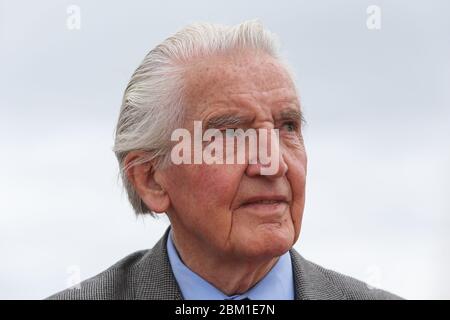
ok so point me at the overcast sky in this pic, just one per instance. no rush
(377, 103)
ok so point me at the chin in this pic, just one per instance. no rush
(269, 244)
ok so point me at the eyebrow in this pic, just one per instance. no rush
(229, 120)
(226, 120)
(292, 115)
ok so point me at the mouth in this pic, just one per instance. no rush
(265, 201)
(262, 202)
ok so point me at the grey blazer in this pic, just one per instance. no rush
(147, 274)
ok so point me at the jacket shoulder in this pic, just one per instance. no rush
(351, 288)
(114, 283)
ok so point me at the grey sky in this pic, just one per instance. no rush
(377, 103)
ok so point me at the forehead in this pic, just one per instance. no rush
(243, 80)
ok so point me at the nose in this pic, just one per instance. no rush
(269, 159)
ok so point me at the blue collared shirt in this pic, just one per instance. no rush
(277, 284)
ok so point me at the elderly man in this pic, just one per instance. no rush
(232, 226)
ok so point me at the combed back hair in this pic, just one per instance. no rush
(152, 105)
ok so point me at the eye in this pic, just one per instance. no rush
(232, 132)
(290, 126)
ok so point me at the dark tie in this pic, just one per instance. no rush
(234, 299)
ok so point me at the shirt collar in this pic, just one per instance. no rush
(277, 284)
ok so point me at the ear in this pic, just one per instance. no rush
(142, 177)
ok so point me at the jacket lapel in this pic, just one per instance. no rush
(310, 283)
(154, 279)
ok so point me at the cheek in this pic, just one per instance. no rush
(205, 186)
(202, 196)
(219, 183)
(296, 175)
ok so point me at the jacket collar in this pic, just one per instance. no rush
(154, 276)
(154, 280)
(310, 283)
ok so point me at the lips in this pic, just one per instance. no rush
(265, 200)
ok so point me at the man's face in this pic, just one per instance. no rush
(219, 205)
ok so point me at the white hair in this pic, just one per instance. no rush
(152, 105)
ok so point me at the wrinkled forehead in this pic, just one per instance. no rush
(222, 79)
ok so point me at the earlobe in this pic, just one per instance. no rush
(158, 201)
(161, 199)
(142, 177)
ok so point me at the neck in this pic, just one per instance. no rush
(230, 275)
